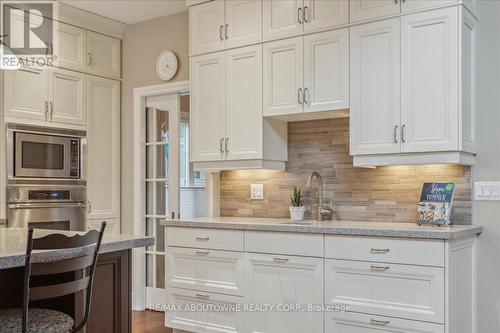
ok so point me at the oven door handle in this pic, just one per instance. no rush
(53, 205)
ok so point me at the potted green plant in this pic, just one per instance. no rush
(297, 208)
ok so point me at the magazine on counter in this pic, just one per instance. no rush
(435, 203)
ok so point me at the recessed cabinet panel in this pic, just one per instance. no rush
(361, 10)
(411, 5)
(71, 48)
(282, 18)
(244, 103)
(67, 100)
(429, 90)
(322, 14)
(283, 76)
(103, 55)
(208, 106)
(206, 27)
(326, 71)
(244, 22)
(375, 88)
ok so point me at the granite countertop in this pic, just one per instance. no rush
(351, 228)
(13, 246)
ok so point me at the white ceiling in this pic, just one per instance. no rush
(130, 11)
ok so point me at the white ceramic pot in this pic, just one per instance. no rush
(297, 213)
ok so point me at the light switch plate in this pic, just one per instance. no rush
(487, 191)
(257, 191)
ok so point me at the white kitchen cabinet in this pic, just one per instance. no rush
(280, 280)
(207, 27)
(208, 105)
(324, 14)
(112, 226)
(243, 22)
(71, 47)
(283, 76)
(26, 94)
(350, 322)
(282, 18)
(430, 81)
(67, 98)
(375, 88)
(103, 165)
(104, 55)
(326, 71)
(244, 103)
(412, 5)
(361, 10)
(204, 321)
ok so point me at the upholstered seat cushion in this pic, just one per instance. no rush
(39, 321)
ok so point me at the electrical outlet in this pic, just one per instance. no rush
(257, 191)
(487, 191)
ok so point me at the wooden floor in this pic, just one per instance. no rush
(149, 322)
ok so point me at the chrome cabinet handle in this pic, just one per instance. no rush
(221, 36)
(89, 207)
(299, 95)
(396, 2)
(396, 134)
(46, 110)
(403, 138)
(306, 94)
(51, 110)
(221, 143)
(379, 251)
(281, 260)
(226, 143)
(299, 15)
(89, 54)
(226, 33)
(203, 296)
(306, 14)
(379, 322)
(203, 238)
(204, 253)
(376, 268)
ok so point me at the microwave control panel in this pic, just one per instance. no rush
(75, 158)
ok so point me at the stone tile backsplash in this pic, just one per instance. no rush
(384, 194)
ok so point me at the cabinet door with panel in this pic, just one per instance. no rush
(103, 167)
(27, 94)
(103, 55)
(429, 81)
(279, 280)
(244, 103)
(411, 5)
(324, 14)
(375, 88)
(283, 76)
(67, 97)
(71, 47)
(206, 27)
(243, 22)
(326, 71)
(282, 18)
(208, 91)
(361, 10)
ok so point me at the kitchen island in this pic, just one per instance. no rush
(111, 301)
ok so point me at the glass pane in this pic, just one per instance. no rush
(149, 270)
(149, 198)
(162, 123)
(150, 134)
(160, 236)
(149, 162)
(161, 198)
(162, 161)
(37, 155)
(160, 271)
(150, 231)
(193, 202)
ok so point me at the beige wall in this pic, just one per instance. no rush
(142, 43)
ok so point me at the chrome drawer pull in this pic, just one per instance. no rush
(379, 251)
(204, 253)
(379, 322)
(204, 296)
(376, 268)
(281, 260)
(202, 238)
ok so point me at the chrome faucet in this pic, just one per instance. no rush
(322, 212)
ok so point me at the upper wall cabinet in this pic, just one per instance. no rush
(104, 55)
(71, 48)
(217, 25)
(286, 18)
(67, 97)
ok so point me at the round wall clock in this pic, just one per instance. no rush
(166, 65)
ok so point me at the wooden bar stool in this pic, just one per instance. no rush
(35, 320)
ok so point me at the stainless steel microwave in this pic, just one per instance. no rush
(39, 154)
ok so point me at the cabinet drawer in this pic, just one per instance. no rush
(403, 291)
(284, 243)
(203, 321)
(205, 270)
(205, 238)
(403, 251)
(348, 322)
